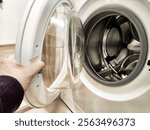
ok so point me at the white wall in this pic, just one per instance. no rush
(10, 16)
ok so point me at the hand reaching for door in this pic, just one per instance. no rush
(23, 73)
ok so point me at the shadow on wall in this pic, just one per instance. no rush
(11, 12)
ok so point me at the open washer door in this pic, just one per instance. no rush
(51, 31)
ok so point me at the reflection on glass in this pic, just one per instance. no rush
(53, 46)
(63, 46)
(76, 46)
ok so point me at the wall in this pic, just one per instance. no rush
(10, 16)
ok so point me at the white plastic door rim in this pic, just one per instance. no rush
(44, 34)
(117, 37)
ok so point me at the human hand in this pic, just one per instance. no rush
(23, 73)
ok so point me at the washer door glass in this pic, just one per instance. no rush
(63, 46)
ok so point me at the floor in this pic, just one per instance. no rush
(57, 106)
(7, 50)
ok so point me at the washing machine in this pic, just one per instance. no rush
(96, 59)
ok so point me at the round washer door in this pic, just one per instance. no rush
(117, 48)
(52, 32)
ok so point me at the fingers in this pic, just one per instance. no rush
(36, 66)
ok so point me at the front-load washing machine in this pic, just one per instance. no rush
(96, 59)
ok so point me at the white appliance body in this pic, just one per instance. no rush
(115, 70)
